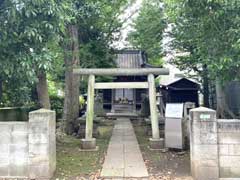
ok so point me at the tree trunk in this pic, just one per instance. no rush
(42, 90)
(71, 60)
(205, 87)
(1, 89)
(223, 110)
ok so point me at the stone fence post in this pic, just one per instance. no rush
(204, 144)
(42, 144)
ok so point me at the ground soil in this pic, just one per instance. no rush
(163, 165)
(72, 164)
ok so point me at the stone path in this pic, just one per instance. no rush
(124, 158)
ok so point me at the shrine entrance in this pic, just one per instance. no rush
(89, 142)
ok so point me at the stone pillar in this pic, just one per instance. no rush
(145, 109)
(113, 100)
(98, 106)
(203, 144)
(42, 144)
(134, 100)
(89, 142)
(155, 141)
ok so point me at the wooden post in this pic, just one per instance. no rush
(90, 107)
(153, 107)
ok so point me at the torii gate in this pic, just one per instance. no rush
(89, 142)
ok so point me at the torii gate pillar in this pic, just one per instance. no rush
(155, 142)
(89, 143)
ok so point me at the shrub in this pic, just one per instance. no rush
(57, 104)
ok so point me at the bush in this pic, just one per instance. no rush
(57, 104)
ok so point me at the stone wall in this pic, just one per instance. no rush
(203, 144)
(229, 148)
(215, 146)
(28, 149)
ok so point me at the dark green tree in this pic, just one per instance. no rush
(209, 31)
(87, 44)
(27, 27)
(149, 28)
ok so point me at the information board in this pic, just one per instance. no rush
(174, 110)
(173, 126)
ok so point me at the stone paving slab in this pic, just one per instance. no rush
(124, 158)
(128, 179)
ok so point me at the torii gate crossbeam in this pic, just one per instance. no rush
(89, 142)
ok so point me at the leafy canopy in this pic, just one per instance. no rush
(149, 27)
(209, 31)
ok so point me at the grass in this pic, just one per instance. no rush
(72, 163)
(162, 165)
(143, 140)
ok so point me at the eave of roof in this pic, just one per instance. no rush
(169, 82)
(146, 65)
(179, 89)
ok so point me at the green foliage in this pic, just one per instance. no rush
(26, 31)
(57, 105)
(97, 23)
(81, 102)
(26, 28)
(75, 164)
(16, 97)
(52, 89)
(149, 28)
(209, 31)
(32, 35)
(96, 54)
(17, 90)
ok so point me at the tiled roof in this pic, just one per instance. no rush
(130, 59)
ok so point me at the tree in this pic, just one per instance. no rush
(89, 34)
(26, 29)
(208, 30)
(71, 60)
(148, 30)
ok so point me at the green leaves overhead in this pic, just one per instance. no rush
(209, 30)
(32, 21)
(149, 28)
(33, 33)
(26, 29)
(98, 23)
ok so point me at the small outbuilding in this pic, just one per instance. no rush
(179, 90)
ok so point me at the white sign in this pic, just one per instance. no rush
(205, 116)
(174, 110)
